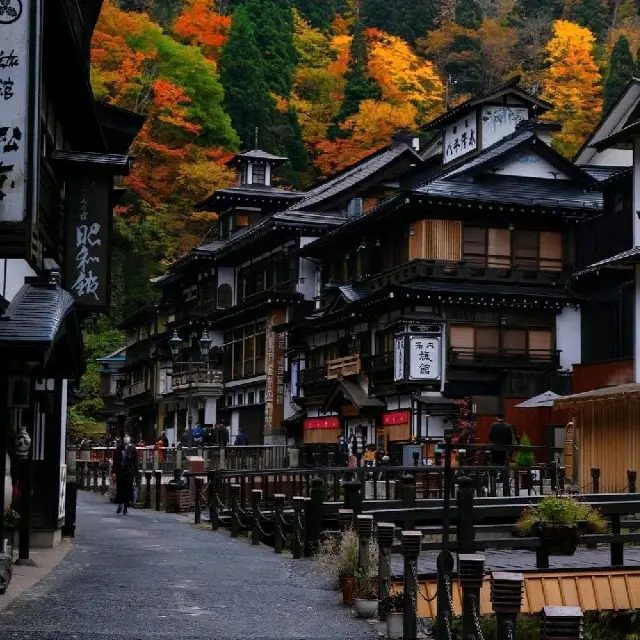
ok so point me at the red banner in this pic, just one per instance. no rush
(395, 417)
(322, 423)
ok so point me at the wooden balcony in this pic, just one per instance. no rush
(313, 376)
(197, 378)
(343, 367)
(504, 358)
(135, 389)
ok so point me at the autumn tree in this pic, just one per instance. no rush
(468, 14)
(548, 10)
(359, 85)
(572, 84)
(592, 14)
(621, 68)
(200, 24)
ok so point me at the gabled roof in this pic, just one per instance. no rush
(115, 164)
(612, 121)
(355, 174)
(624, 260)
(257, 155)
(259, 194)
(601, 174)
(622, 139)
(510, 86)
(509, 146)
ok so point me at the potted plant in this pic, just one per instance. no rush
(525, 458)
(393, 608)
(339, 557)
(559, 521)
(366, 600)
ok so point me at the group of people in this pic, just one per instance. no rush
(354, 452)
(501, 434)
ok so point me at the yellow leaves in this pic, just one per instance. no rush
(403, 76)
(572, 83)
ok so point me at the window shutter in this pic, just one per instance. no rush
(462, 336)
(540, 344)
(550, 251)
(499, 251)
(515, 340)
(487, 339)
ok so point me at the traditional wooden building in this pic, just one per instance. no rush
(454, 288)
(60, 153)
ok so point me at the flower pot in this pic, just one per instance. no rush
(366, 608)
(348, 590)
(395, 625)
(559, 539)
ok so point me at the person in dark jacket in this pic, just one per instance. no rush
(500, 435)
(223, 435)
(125, 468)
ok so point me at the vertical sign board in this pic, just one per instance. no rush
(460, 138)
(424, 358)
(274, 370)
(15, 39)
(398, 360)
(88, 241)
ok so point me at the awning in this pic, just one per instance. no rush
(545, 399)
(604, 393)
(353, 393)
(40, 331)
(623, 260)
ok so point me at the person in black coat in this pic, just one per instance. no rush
(501, 435)
(125, 468)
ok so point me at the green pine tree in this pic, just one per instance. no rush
(406, 19)
(359, 85)
(621, 69)
(547, 10)
(468, 14)
(247, 98)
(318, 14)
(274, 29)
(592, 14)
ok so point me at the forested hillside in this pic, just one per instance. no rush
(324, 83)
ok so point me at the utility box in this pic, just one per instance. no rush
(195, 464)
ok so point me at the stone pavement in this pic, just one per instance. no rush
(149, 575)
(522, 560)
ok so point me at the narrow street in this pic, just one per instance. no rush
(147, 575)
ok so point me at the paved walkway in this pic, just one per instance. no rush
(148, 575)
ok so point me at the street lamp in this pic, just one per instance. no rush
(175, 344)
(205, 345)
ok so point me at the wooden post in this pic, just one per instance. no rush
(235, 510)
(408, 499)
(385, 532)
(411, 543)
(313, 523)
(364, 527)
(158, 478)
(345, 518)
(298, 530)
(256, 497)
(506, 597)
(471, 573)
(506, 490)
(353, 496)
(198, 500)
(445, 559)
(553, 473)
(561, 478)
(595, 478)
(278, 524)
(561, 622)
(464, 500)
(213, 500)
(147, 495)
(103, 478)
(617, 548)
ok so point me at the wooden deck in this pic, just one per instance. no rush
(602, 590)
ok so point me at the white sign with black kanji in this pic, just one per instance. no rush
(460, 138)
(424, 358)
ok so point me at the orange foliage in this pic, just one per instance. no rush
(572, 85)
(201, 25)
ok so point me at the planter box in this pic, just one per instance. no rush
(559, 540)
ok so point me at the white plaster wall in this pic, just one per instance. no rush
(307, 271)
(12, 275)
(234, 427)
(612, 158)
(210, 411)
(226, 275)
(531, 165)
(568, 337)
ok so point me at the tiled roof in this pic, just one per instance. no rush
(600, 173)
(471, 288)
(36, 313)
(257, 154)
(624, 259)
(119, 164)
(353, 292)
(354, 174)
(560, 194)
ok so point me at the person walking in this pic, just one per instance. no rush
(500, 435)
(125, 465)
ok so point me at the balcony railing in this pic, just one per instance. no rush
(378, 364)
(524, 358)
(195, 374)
(343, 367)
(526, 384)
(135, 389)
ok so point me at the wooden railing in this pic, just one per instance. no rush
(197, 376)
(342, 367)
(470, 356)
(135, 389)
